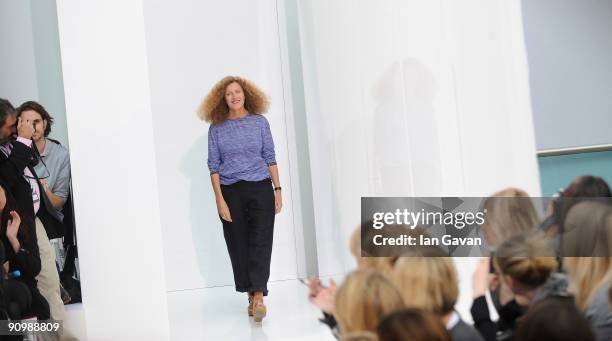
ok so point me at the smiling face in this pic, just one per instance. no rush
(234, 96)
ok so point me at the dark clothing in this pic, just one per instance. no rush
(492, 331)
(11, 173)
(249, 235)
(464, 332)
(512, 311)
(599, 314)
(331, 322)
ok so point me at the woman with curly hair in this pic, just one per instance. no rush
(245, 180)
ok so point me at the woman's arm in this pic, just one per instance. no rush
(222, 207)
(278, 197)
(269, 157)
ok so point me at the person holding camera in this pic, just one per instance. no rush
(245, 181)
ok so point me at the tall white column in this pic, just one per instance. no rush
(116, 205)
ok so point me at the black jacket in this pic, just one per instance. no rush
(11, 173)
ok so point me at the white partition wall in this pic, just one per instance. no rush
(114, 173)
(412, 98)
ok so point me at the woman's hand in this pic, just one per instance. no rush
(278, 201)
(314, 286)
(12, 229)
(13, 225)
(325, 298)
(223, 210)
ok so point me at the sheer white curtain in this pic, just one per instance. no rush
(412, 98)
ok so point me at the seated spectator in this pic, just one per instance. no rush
(525, 265)
(431, 283)
(508, 213)
(53, 170)
(359, 336)
(588, 234)
(363, 299)
(586, 187)
(54, 167)
(554, 319)
(323, 297)
(412, 324)
(18, 237)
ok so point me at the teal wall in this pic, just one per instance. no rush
(559, 171)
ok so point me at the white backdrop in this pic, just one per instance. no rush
(191, 45)
(412, 98)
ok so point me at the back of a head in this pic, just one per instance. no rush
(528, 259)
(585, 230)
(583, 188)
(371, 256)
(588, 186)
(429, 283)
(363, 298)
(587, 246)
(509, 212)
(359, 336)
(412, 324)
(6, 108)
(554, 319)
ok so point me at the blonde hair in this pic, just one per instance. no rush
(592, 222)
(429, 283)
(359, 336)
(214, 109)
(363, 299)
(510, 212)
(382, 264)
(528, 259)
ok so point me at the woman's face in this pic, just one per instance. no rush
(234, 96)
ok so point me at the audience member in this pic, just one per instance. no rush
(524, 265)
(431, 283)
(53, 169)
(412, 324)
(360, 336)
(554, 319)
(363, 299)
(509, 212)
(588, 234)
(16, 165)
(18, 237)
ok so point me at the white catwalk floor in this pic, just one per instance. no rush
(221, 314)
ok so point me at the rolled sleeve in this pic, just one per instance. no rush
(214, 157)
(61, 187)
(267, 152)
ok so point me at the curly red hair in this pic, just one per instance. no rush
(214, 109)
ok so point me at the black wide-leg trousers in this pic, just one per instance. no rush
(249, 235)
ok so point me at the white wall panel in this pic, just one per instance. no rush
(412, 98)
(114, 173)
